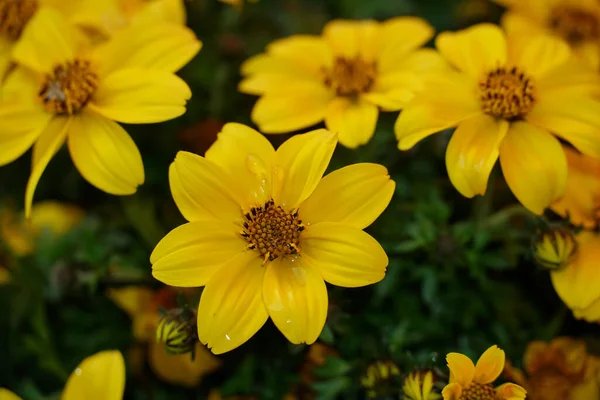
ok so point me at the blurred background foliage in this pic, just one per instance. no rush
(460, 278)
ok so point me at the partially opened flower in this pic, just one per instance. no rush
(100, 376)
(343, 77)
(266, 231)
(419, 385)
(575, 21)
(508, 97)
(63, 93)
(474, 382)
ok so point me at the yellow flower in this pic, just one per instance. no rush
(508, 96)
(581, 201)
(575, 21)
(473, 382)
(554, 248)
(51, 216)
(419, 386)
(342, 77)
(578, 284)
(265, 231)
(559, 370)
(63, 93)
(98, 377)
(381, 379)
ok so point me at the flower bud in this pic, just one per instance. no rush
(381, 379)
(554, 248)
(177, 330)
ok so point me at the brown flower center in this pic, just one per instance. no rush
(507, 93)
(350, 77)
(273, 231)
(575, 25)
(14, 15)
(68, 89)
(477, 391)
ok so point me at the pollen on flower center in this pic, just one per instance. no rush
(14, 15)
(68, 89)
(575, 25)
(273, 231)
(507, 93)
(477, 391)
(350, 77)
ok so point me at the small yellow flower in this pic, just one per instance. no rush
(554, 248)
(63, 93)
(419, 386)
(343, 77)
(581, 201)
(381, 379)
(578, 283)
(508, 97)
(575, 21)
(98, 377)
(473, 382)
(266, 231)
(559, 370)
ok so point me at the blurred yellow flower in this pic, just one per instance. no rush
(419, 386)
(559, 370)
(554, 248)
(143, 306)
(343, 77)
(381, 379)
(62, 93)
(20, 235)
(98, 377)
(575, 21)
(266, 231)
(581, 201)
(473, 382)
(578, 284)
(507, 97)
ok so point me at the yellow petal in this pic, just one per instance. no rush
(300, 163)
(247, 155)
(55, 217)
(534, 166)
(101, 376)
(191, 253)
(354, 195)
(180, 369)
(461, 367)
(305, 52)
(489, 366)
(47, 40)
(304, 106)
(510, 391)
(400, 36)
(231, 308)
(6, 394)
(572, 78)
(148, 46)
(277, 83)
(538, 54)
(452, 391)
(296, 299)
(353, 120)
(393, 91)
(203, 190)
(343, 255)
(21, 87)
(105, 155)
(6, 48)
(49, 142)
(134, 300)
(171, 11)
(140, 96)
(350, 39)
(475, 50)
(472, 153)
(445, 101)
(20, 126)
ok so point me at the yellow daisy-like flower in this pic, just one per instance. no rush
(266, 231)
(473, 382)
(419, 386)
(343, 77)
(507, 97)
(98, 377)
(575, 21)
(581, 201)
(63, 93)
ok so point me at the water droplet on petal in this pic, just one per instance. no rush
(227, 337)
(78, 371)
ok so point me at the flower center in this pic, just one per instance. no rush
(507, 93)
(14, 14)
(350, 77)
(273, 231)
(574, 25)
(477, 391)
(68, 89)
